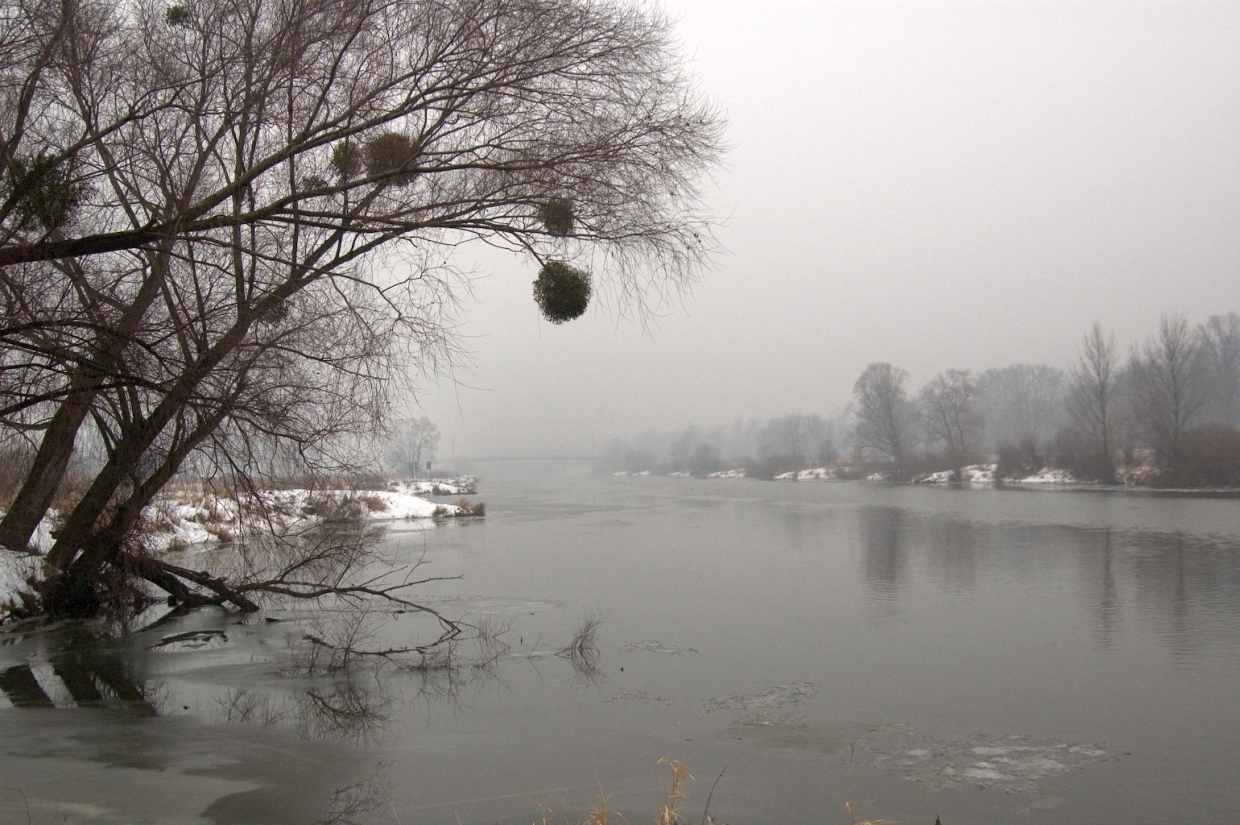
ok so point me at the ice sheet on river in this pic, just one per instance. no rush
(1010, 762)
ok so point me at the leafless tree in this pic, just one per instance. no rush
(225, 225)
(1022, 403)
(886, 419)
(949, 415)
(783, 443)
(1093, 399)
(414, 441)
(1219, 338)
(1170, 387)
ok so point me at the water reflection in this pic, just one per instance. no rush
(1183, 589)
(1186, 589)
(351, 711)
(885, 551)
(952, 552)
(1098, 564)
(76, 670)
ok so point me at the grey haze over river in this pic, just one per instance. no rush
(986, 656)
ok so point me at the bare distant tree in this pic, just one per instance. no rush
(950, 416)
(1093, 399)
(1170, 387)
(414, 442)
(1022, 403)
(785, 442)
(886, 420)
(1220, 341)
(826, 436)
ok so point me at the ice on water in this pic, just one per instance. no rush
(1013, 762)
(777, 697)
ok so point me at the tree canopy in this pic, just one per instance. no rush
(227, 225)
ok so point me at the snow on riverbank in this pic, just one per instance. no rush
(183, 518)
(816, 474)
(461, 486)
(1046, 476)
(186, 516)
(973, 474)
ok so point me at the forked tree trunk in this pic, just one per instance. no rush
(56, 447)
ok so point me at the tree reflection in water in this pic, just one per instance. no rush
(78, 670)
(347, 710)
(1183, 587)
(885, 549)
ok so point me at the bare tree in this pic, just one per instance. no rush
(1219, 338)
(414, 441)
(1093, 399)
(784, 442)
(950, 416)
(224, 225)
(1170, 388)
(1022, 403)
(886, 420)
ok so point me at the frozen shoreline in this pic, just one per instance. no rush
(976, 475)
(184, 517)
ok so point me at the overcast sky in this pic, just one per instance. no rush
(934, 184)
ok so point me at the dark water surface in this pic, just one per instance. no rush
(984, 656)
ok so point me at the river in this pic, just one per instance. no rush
(978, 655)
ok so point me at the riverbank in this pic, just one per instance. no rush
(975, 475)
(198, 515)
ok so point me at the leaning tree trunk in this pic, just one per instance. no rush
(74, 592)
(56, 447)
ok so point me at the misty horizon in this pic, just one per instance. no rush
(936, 185)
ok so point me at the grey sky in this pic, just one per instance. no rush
(929, 183)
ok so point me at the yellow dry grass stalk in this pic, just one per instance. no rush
(852, 815)
(675, 792)
(599, 815)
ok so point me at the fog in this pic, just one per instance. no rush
(937, 185)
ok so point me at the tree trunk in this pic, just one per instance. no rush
(56, 447)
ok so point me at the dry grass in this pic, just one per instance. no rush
(584, 644)
(853, 807)
(553, 809)
(374, 503)
(676, 793)
(473, 508)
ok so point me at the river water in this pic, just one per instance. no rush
(983, 656)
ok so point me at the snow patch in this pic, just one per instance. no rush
(459, 486)
(816, 474)
(1048, 476)
(973, 474)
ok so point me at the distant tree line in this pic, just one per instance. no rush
(764, 447)
(1166, 413)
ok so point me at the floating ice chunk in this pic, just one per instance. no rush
(985, 770)
(654, 646)
(777, 697)
(1015, 763)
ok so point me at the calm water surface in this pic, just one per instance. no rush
(982, 656)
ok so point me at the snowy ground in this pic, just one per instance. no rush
(1047, 476)
(181, 519)
(816, 474)
(184, 517)
(973, 474)
(979, 474)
